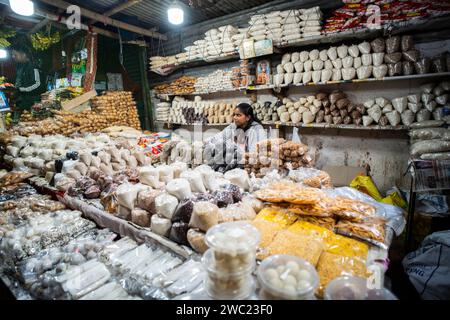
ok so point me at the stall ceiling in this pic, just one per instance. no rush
(153, 13)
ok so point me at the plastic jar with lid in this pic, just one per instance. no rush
(288, 278)
(355, 288)
(346, 288)
(227, 285)
(233, 245)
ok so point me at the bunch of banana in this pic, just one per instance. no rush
(8, 119)
(6, 33)
(4, 43)
(42, 42)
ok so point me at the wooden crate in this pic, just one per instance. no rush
(73, 105)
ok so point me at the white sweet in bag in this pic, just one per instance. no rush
(342, 51)
(307, 66)
(332, 53)
(298, 66)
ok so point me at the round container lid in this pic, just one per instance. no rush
(346, 288)
(245, 236)
(293, 267)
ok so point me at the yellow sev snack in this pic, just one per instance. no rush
(348, 247)
(267, 230)
(277, 215)
(309, 229)
(302, 246)
(333, 243)
(331, 266)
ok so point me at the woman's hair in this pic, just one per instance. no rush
(22, 44)
(247, 110)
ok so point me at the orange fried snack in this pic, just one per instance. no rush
(325, 222)
(373, 229)
(353, 210)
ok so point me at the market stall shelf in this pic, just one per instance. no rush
(429, 76)
(311, 125)
(412, 25)
(366, 33)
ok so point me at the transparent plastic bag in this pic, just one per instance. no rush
(430, 133)
(423, 65)
(372, 231)
(427, 124)
(393, 44)
(394, 216)
(332, 266)
(311, 177)
(195, 277)
(429, 146)
(204, 216)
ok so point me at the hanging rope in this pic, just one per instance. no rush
(121, 48)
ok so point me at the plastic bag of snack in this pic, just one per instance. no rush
(287, 242)
(178, 233)
(204, 216)
(370, 230)
(332, 266)
(196, 239)
(277, 215)
(311, 177)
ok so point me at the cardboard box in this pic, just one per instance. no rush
(343, 175)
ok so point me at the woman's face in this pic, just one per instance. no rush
(240, 119)
(18, 56)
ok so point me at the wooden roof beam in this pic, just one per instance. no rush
(107, 20)
(123, 6)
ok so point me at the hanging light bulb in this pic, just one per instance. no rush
(3, 54)
(22, 7)
(175, 13)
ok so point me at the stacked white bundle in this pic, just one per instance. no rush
(286, 26)
(311, 21)
(258, 28)
(219, 42)
(176, 113)
(182, 57)
(243, 33)
(162, 111)
(193, 52)
(227, 33)
(274, 27)
(291, 25)
(214, 43)
(157, 62)
(219, 80)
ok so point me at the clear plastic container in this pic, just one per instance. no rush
(227, 285)
(380, 294)
(346, 288)
(287, 277)
(234, 245)
(222, 236)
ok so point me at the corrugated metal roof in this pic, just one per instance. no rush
(154, 13)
